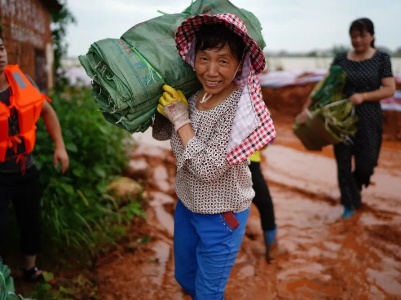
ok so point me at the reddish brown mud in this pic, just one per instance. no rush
(324, 256)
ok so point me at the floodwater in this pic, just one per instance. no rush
(313, 63)
(323, 256)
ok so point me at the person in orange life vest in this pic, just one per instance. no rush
(21, 105)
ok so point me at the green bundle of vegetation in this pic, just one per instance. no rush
(78, 214)
(7, 290)
(331, 118)
(330, 89)
(340, 119)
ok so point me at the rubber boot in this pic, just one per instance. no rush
(348, 213)
(271, 244)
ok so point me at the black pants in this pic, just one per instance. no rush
(262, 200)
(24, 192)
(356, 161)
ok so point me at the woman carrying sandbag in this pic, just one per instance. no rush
(212, 136)
(369, 79)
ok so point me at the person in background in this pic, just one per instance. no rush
(369, 79)
(21, 105)
(212, 135)
(264, 203)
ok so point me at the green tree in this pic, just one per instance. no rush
(397, 52)
(339, 49)
(60, 21)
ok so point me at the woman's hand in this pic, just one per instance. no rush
(302, 117)
(170, 96)
(177, 113)
(386, 90)
(357, 98)
(304, 114)
(61, 156)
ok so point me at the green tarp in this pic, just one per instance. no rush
(128, 73)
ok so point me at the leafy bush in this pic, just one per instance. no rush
(78, 215)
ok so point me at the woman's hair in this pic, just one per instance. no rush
(211, 36)
(363, 25)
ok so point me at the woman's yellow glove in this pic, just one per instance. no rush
(170, 96)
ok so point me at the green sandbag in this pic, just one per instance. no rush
(252, 23)
(128, 73)
(121, 84)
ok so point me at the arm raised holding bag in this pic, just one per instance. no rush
(174, 106)
(170, 96)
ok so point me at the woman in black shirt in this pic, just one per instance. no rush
(369, 79)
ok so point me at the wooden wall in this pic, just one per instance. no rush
(26, 31)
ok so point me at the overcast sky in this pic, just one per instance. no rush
(290, 25)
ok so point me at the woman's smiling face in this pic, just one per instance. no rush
(216, 69)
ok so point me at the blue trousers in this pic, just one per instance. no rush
(205, 249)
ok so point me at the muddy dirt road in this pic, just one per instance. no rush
(326, 257)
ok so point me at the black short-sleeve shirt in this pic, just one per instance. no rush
(366, 75)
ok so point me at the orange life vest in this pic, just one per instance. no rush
(28, 102)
